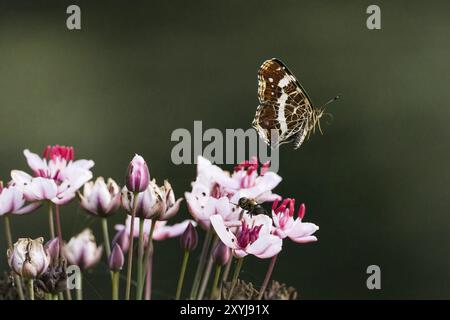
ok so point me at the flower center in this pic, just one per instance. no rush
(247, 235)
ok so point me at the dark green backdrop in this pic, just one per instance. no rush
(376, 183)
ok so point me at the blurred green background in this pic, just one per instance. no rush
(376, 182)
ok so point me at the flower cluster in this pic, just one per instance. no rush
(233, 231)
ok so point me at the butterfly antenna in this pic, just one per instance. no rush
(331, 101)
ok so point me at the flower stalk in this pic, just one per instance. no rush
(130, 251)
(106, 237)
(267, 277)
(51, 223)
(182, 274)
(198, 272)
(214, 289)
(17, 279)
(141, 262)
(236, 273)
(148, 260)
(115, 285)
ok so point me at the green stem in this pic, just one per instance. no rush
(115, 285)
(130, 250)
(140, 263)
(237, 270)
(17, 279)
(59, 230)
(50, 220)
(201, 263)
(207, 272)
(214, 293)
(182, 273)
(226, 272)
(267, 277)
(31, 289)
(147, 261)
(80, 288)
(106, 237)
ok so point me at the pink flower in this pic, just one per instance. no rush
(153, 203)
(12, 201)
(252, 237)
(202, 205)
(287, 226)
(82, 250)
(162, 231)
(57, 176)
(99, 198)
(217, 192)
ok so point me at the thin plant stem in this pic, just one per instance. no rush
(148, 278)
(267, 277)
(106, 237)
(140, 263)
(147, 260)
(214, 290)
(17, 279)
(198, 272)
(51, 224)
(226, 272)
(207, 272)
(182, 273)
(80, 286)
(60, 240)
(237, 270)
(115, 285)
(31, 289)
(130, 251)
(58, 228)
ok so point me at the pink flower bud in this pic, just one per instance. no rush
(189, 238)
(116, 259)
(122, 239)
(53, 248)
(138, 176)
(221, 254)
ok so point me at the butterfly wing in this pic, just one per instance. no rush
(284, 105)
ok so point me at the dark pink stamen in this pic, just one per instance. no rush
(301, 211)
(247, 235)
(291, 207)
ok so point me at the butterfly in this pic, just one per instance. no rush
(285, 112)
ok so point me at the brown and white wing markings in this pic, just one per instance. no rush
(284, 105)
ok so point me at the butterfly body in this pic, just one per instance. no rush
(285, 112)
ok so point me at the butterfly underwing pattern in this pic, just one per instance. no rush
(285, 112)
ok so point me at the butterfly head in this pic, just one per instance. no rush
(319, 113)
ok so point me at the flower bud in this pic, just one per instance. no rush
(28, 258)
(116, 259)
(221, 254)
(122, 239)
(138, 176)
(189, 238)
(82, 250)
(52, 246)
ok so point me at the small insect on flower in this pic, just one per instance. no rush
(251, 206)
